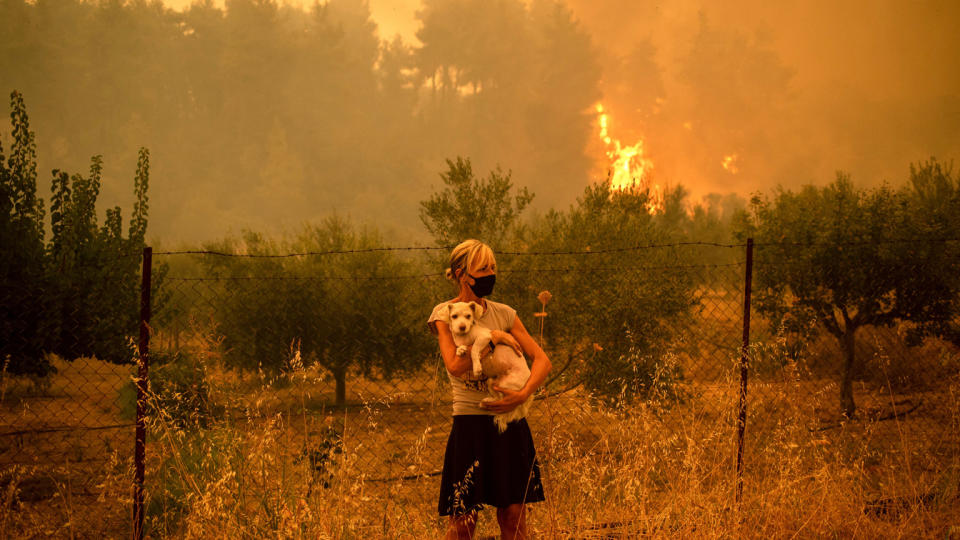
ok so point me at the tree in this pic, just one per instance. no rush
(342, 307)
(22, 282)
(615, 303)
(93, 270)
(77, 295)
(846, 258)
(933, 196)
(634, 87)
(469, 207)
(734, 84)
(513, 81)
(471, 43)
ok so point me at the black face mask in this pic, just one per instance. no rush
(483, 286)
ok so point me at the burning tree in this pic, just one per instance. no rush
(847, 258)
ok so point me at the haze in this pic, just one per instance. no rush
(265, 116)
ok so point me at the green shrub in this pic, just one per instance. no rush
(642, 371)
(177, 391)
(326, 303)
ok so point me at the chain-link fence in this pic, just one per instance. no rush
(283, 388)
(67, 400)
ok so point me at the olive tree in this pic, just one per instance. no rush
(846, 258)
(349, 305)
(616, 303)
(469, 207)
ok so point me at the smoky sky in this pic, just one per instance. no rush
(862, 86)
(262, 115)
(871, 85)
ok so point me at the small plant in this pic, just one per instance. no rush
(319, 456)
(178, 388)
(638, 372)
(194, 465)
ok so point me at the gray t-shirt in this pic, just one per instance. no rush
(468, 390)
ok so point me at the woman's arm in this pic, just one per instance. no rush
(539, 370)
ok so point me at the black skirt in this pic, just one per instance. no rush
(485, 467)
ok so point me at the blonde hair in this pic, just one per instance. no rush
(469, 254)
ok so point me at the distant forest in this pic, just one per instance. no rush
(267, 116)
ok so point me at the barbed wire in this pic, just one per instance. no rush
(539, 253)
(632, 268)
(589, 251)
(303, 278)
(586, 251)
(301, 254)
(858, 242)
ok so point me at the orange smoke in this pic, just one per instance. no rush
(730, 163)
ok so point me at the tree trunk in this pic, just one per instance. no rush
(340, 376)
(847, 406)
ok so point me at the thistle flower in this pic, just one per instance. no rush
(544, 297)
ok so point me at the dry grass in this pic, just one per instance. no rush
(282, 463)
(65, 453)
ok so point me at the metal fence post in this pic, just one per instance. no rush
(744, 363)
(139, 451)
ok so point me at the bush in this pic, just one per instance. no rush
(177, 391)
(350, 307)
(615, 307)
(642, 371)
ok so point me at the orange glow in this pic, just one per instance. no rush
(730, 163)
(629, 167)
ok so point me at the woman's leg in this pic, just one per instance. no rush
(461, 527)
(513, 522)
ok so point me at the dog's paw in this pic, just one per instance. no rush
(477, 371)
(461, 350)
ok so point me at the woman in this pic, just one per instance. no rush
(481, 465)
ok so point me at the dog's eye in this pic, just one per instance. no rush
(454, 316)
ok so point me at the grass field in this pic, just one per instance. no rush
(279, 461)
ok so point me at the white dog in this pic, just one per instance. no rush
(504, 367)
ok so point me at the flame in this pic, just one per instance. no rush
(603, 124)
(629, 167)
(730, 163)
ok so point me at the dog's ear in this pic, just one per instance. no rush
(445, 313)
(477, 310)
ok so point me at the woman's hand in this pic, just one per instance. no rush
(511, 400)
(463, 363)
(499, 337)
